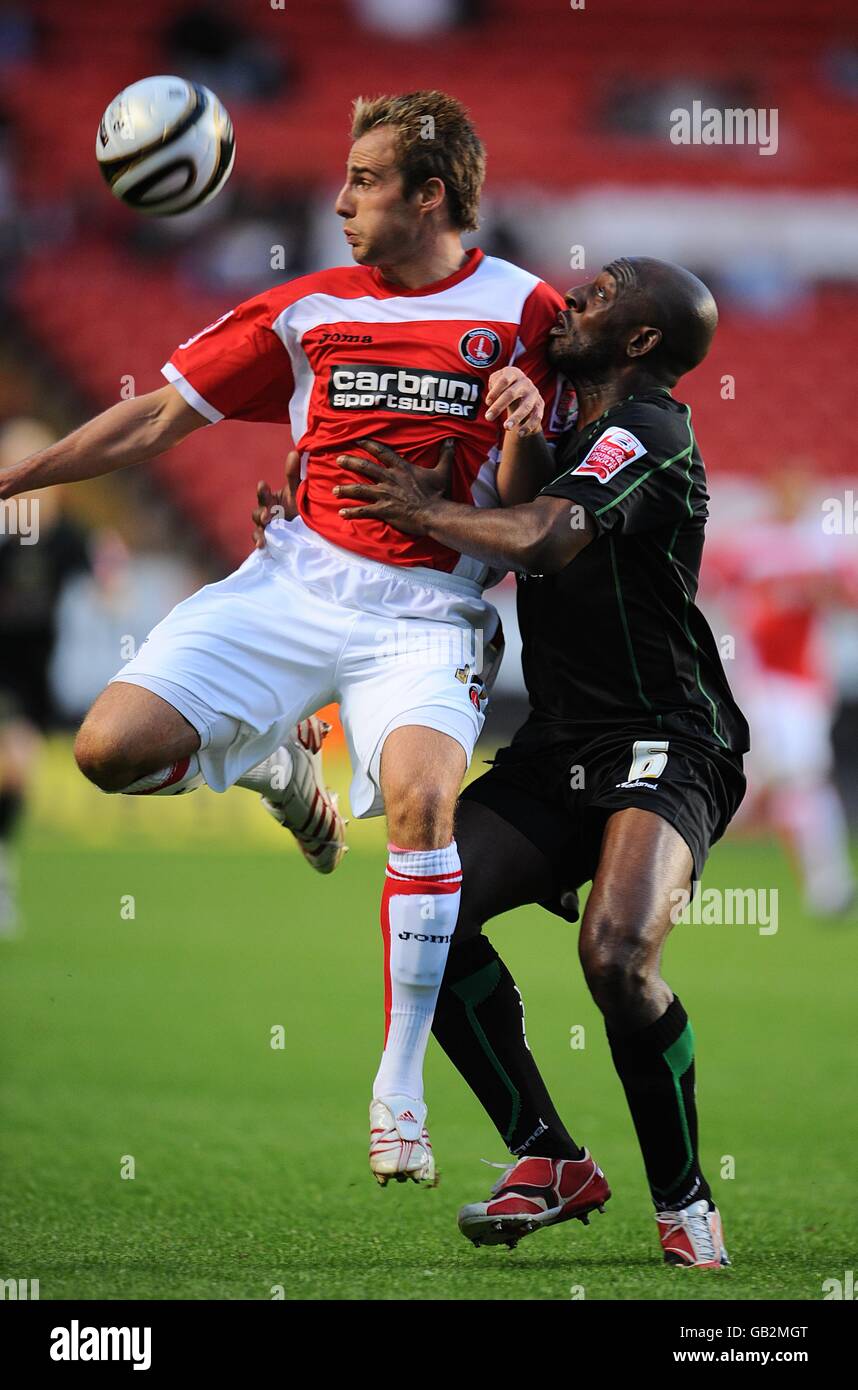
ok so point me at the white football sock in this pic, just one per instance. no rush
(419, 908)
(178, 777)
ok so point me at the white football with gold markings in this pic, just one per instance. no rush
(165, 145)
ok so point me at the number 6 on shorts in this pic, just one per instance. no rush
(649, 759)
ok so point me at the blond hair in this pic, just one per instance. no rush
(434, 140)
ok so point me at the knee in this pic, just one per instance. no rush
(101, 757)
(618, 964)
(420, 815)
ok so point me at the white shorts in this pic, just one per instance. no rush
(305, 623)
(790, 723)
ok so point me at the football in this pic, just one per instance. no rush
(165, 145)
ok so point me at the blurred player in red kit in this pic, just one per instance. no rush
(784, 575)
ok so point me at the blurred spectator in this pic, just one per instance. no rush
(209, 44)
(764, 285)
(263, 246)
(840, 66)
(413, 21)
(18, 35)
(39, 550)
(499, 236)
(103, 616)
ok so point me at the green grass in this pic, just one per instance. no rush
(151, 1038)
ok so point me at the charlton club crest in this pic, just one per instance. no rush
(480, 347)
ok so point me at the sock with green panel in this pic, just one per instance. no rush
(656, 1067)
(479, 1022)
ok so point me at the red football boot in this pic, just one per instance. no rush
(535, 1192)
(692, 1237)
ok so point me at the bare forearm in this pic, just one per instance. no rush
(128, 433)
(526, 465)
(533, 538)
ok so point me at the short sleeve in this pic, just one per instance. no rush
(538, 317)
(236, 368)
(634, 477)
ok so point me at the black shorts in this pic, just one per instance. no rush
(560, 796)
(25, 691)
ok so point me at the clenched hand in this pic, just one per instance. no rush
(395, 491)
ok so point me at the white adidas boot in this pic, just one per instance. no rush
(304, 805)
(399, 1143)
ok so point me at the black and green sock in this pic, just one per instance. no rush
(656, 1067)
(479, 1022)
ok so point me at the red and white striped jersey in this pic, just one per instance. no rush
(343, 354)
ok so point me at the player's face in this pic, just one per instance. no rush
(589, 337)
(380, 224)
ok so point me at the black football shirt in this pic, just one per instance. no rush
(616, 636)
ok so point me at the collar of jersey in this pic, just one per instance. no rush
(656, 390)
(474, 256)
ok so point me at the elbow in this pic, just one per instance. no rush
(543, 555)
(529, 558)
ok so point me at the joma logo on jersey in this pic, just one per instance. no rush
(328, 337)
(611, 452)
(381, 387)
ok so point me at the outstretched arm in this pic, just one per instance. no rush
(539, 537)
(130, 432)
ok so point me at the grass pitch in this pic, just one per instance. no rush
(137, 1013)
